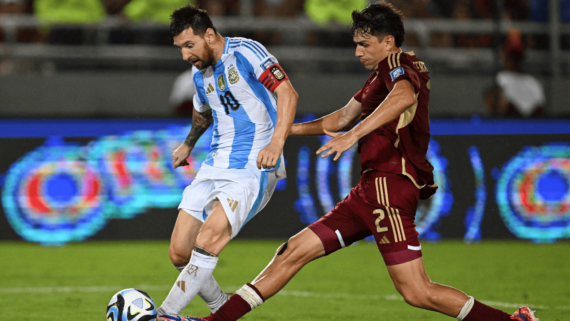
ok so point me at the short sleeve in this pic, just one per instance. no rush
(265, 66)
(393, 69)
(358, 96)
(183, 89)
(200, 105)
(200, 102)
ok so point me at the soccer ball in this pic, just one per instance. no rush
(131, 305)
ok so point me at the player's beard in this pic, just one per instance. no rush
(208, 59)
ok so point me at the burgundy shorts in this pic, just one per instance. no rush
(383, 205)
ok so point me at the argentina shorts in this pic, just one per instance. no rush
(242, 192)
(383, 205)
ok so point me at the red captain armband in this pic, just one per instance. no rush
(272, 77)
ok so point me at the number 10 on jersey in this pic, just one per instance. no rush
(229, 101)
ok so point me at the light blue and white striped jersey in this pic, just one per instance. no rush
(244, 110)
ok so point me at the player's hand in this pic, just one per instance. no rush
(340, 143)
(268, 157)
(180, 155)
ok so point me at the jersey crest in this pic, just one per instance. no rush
(276, 71)
(233, 75)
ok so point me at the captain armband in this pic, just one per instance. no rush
(272, 77)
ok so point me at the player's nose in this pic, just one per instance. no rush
(186, 55)
(358, 53)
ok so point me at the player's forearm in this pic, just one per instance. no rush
(342, 119)
(200, 123)
(317, 126)
(286, 109)
(400, 98)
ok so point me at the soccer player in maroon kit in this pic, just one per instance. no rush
(392, 138)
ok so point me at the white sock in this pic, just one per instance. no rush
(250, 296)
(189, 283)
(466, 309)
(211, 293)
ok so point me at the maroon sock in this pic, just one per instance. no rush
(482, 312)
(235, 308)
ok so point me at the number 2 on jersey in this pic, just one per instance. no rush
(379, 219)
(229, 101)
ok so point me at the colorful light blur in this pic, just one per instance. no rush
(533, 192)
(475, 213)
(62, 192)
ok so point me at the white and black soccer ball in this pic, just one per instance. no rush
(131, 305)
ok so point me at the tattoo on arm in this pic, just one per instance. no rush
(203, 251)
(200, 122)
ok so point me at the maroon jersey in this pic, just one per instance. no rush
(400, 146)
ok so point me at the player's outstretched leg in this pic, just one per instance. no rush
(288, 260)
(214, 234)
(182, 244)
(413, 283)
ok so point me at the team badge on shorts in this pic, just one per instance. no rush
(221, 82)
(233, 75)
(276, 71)
(397, 73)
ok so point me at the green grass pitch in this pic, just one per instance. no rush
(75, 282)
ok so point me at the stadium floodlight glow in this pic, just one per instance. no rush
(533, 193)
(61, 192)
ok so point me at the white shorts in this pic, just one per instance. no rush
(242, 192)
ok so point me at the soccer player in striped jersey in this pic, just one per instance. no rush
(393, 137)
(244, 92)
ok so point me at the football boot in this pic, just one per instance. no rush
(524, 314)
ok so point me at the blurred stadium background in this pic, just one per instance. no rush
(94, 98)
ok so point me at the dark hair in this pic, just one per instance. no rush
(190, 16)
(379, 19)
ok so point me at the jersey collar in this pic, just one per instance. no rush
(220, 62)
(399, 51)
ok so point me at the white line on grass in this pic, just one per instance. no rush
(146, 287)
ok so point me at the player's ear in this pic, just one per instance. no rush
(209, 35)
(390, 41)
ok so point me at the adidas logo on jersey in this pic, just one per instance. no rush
(233, 204)
(210, 88)
(384, 240)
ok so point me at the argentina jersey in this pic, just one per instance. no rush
(239, 91)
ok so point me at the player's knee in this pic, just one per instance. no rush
(296, 253)
(418, 296)
(178, 257)
(413, 298)
(210, 238)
